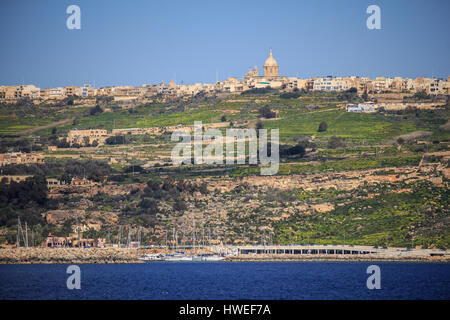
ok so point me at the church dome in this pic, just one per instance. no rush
(271, 62)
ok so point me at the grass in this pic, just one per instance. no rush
(356, 127)
(330, 166)
(409, 219)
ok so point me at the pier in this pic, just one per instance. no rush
(289, 252)
(308, 249)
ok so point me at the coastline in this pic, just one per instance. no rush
(125, 255)
(68, 255)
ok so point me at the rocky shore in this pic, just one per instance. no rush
(68, 255)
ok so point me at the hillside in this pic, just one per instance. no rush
(369, 178)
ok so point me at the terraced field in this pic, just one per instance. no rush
(356, 182)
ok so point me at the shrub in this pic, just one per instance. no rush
(266, 112)
(96, 110)
(323, 126)
(119, 139)
(336, 142)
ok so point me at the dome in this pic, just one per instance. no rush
(271, 62)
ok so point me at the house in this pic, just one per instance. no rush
(360, 108)
(82, 136)
(20, 158)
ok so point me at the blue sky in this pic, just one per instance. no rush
(139, 42)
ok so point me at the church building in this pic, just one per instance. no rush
(271, 71)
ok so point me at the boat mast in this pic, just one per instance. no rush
(26, 235)
(32, 237)
(184, 236)
(139, 236)
(194, 236)
(174, 238)
(165, 240)
(18, 232)
(119, 235)
(129, 237)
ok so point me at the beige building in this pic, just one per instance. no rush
(82, 136)
(233, 85)
(72, 91)
(20, 158)
(45, 93)
(7, 92)
(446, 86)
(56, 93)
(22, 91)
(330, 84)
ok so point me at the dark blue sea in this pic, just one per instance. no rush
(230, 280)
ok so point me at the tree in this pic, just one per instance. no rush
(323, 126)
(70, 101)
(119, 139)
(150, 206)
(291, 95)
(365, 96)
(259, 125)
(96, 110)
(297, 150)
(53, 130)
(421, 95)
(66, 178)
(63, 144)
(266, 112)
(223, 119)
(86, 141)
(179, 205)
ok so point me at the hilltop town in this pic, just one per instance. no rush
(363, 162)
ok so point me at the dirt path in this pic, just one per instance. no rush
(50, 125)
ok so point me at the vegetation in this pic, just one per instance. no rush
(323, 126)
(390, 219)
(96, 110)
(316, 136)
(266, 112)
(24, 199)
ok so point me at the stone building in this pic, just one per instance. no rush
(20, 158)
(82, 136)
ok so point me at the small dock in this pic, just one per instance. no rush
(336, 252)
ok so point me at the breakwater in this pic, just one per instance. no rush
(68, 255)
(126, 255)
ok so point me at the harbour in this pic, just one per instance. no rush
(111, 255)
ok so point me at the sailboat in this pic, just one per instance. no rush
(152, 257)
(194, 256)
